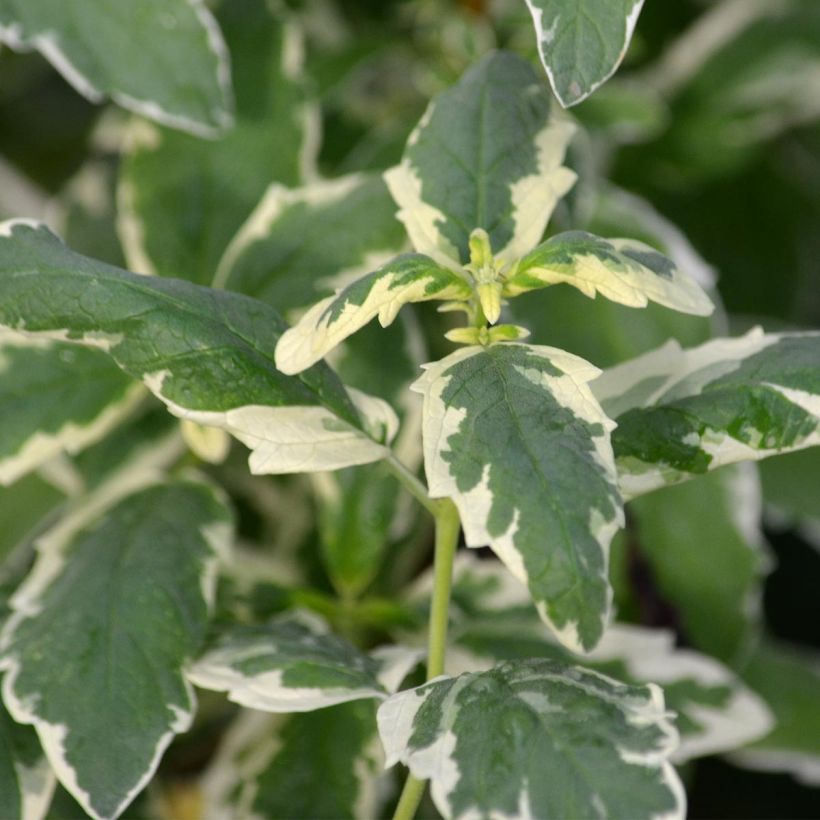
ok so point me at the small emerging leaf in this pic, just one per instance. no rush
(536, 738)
(408, 278)
(623, 270)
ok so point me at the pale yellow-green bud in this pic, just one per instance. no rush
(489, 294)
(508, 333)
(481, 254)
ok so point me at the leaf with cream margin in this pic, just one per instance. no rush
(681, 413)
(164, 59)
(117, 602)
(486, 154)
(537, 738)
(623, 270)
(294, 664)
(26, 780)
(55, 398)
(582, 42)
(492, 621)
(300, 241)
(704, 546)
(514, 436)
(269, 765)
(411, 277)
(788, 678)
(208, 355)
(182, 199)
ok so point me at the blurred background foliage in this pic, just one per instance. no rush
(706, 142)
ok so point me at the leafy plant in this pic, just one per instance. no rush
(142, 560)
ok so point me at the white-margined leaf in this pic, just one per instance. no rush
(623, 270)
(117, 602)
(55, 398)
(164, 59)
(302, 243)
(208, 355)
(270, 765)
(492, 621)
(514, 436)
(537, 738)
(486, 154)
(582, 42)
(411, 277)
(182, 199)
(294, 664)
(704, 546)
(681, 413)
(26, 780)
(788, 678)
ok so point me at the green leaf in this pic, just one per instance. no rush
(789, 679)
(705, 548)
(118, 601)
(42, 411)
(790, 486)
(299, 241)
(293, 664)
(411, 277)
(582, 42)
(514, 436)
(23, 507)
(486, 154)
(26, 779)
(207, 355)
(536, 738)
(182, 199)
(492, 621)
(161, 58)
(271, 764)
(623, 270)
(681, 413)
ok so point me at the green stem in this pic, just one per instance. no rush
(412, 484)
(447, 530)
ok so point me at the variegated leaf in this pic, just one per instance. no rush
(789, 680)
(486, 154)
(492, 621)
(26, 780)
(411, 277)
(682, 413)
(303, 243)
(269, 765)
(164, 59)
(582, 42)
(55, 398)
(514, 436)
(207, 355)
(623, 270)
(294, 664)
(182, 199)
(537, 738)
(117, 602)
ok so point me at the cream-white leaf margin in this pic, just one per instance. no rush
(266, 690)
(25, 603)
(534, 197)
(441, 422)
(48, 44)
(669, 372)
(71, 438)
